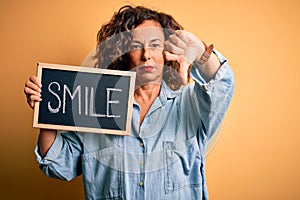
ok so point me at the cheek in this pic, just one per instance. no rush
(133, 59)
(159, 58)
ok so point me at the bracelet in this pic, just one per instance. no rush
(206, 55)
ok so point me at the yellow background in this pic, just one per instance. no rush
(257, 155)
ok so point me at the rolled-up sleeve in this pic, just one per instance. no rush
(63, 159)
(213, 97)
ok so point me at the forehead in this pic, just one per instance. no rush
(148, 30)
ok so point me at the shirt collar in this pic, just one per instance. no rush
(166, 93)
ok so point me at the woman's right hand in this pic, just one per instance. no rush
(33, 90)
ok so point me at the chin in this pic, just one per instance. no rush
(147, 79)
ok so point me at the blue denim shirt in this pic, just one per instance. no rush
(164, 158)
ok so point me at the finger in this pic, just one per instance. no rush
(173, 48)
(183, 35)
(35, 98)
(32, 99)
(31, 104)
(28, 91)
(179, 58)
(33, 86)
(35, 80)
(170, 57)
(177, 41)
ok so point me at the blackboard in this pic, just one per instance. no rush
(84, 99)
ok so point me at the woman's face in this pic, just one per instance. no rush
(146, 52)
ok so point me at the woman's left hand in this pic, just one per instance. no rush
(183, 47)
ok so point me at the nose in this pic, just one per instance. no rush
(146, 54)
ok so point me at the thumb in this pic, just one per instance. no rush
(184, 63)
(170, 57)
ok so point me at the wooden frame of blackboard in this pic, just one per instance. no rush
(131, 75)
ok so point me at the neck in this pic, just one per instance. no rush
(148, 92)
(145, 95)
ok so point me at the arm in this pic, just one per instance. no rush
(45, 141)
(214, 84)
(32, 92)
(59, 155)
(63, 159)
(213, 97)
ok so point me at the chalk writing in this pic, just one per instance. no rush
(89, 104)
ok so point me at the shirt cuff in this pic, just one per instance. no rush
(197, 77)
(52, 153)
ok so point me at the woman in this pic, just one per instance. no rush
(172, 121)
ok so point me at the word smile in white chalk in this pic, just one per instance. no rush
(89, 100)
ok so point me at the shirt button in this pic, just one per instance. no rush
(141, 184)
(142, 144)
(141, 163)
(205, 87)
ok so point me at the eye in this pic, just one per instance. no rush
(135, 47)
(156, 45)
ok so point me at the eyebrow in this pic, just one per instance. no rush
(153, 40)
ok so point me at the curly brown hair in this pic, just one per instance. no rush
(114, 38)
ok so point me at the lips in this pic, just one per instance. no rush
(147, 68)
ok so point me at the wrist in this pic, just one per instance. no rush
(206, 55)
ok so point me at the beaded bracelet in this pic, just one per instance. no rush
(206, 55)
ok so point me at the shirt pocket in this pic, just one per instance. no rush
(102, 175)
(182, 162)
